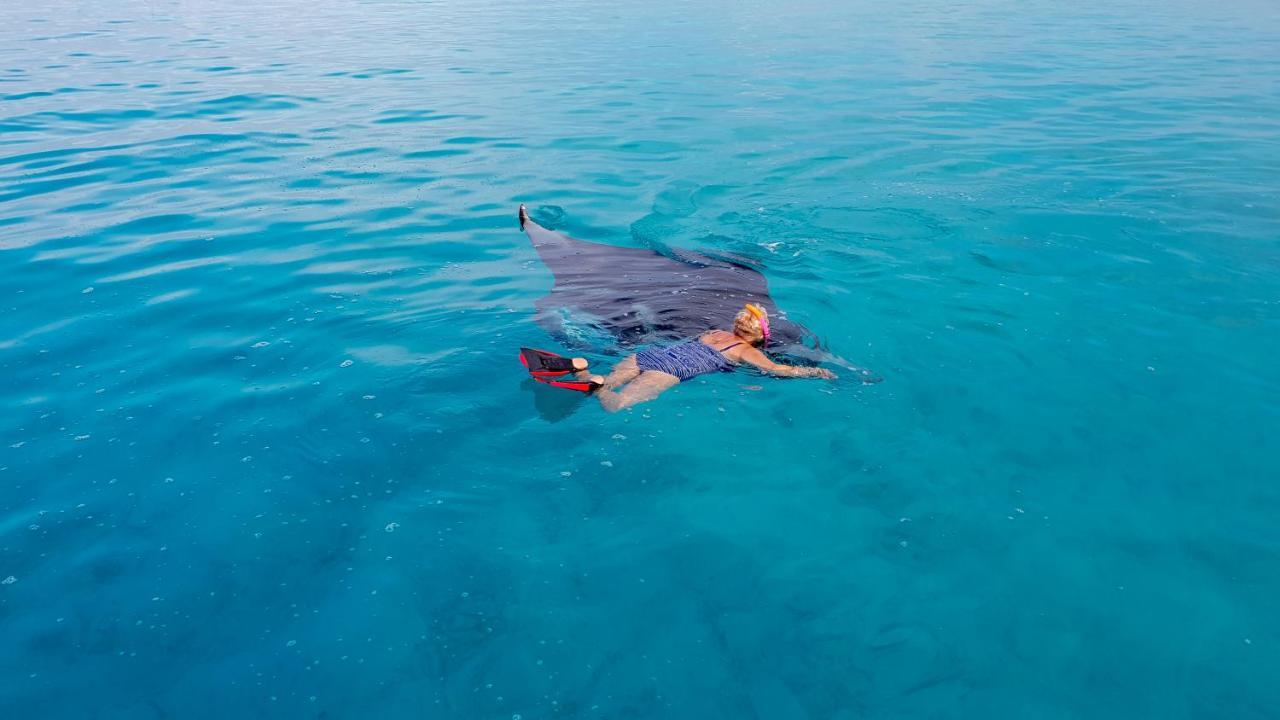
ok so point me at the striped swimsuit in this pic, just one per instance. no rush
(685, 360)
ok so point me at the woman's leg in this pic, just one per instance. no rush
(647, 386)
(622, 373)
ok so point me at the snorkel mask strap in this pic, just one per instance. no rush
(763, 317)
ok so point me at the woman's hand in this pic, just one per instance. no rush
(823, 373)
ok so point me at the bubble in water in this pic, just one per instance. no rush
(391, 526)
(291, 643)
(87, 290)
(9, 580)
(261, 344)
(347, 363)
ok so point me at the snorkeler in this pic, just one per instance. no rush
(645, 375)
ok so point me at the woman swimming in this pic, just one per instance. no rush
(648, 373)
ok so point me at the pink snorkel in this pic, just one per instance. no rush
(759, 314)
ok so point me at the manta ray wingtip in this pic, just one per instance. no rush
(524, 216)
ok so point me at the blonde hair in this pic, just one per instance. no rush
(748, 322)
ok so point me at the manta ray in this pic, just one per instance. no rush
(639, 296)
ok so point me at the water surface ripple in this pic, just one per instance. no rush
(265, 451)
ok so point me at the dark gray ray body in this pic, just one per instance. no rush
(641, 296)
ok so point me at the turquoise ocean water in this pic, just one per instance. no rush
(265, 450)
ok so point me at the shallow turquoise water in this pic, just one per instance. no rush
(267, 453)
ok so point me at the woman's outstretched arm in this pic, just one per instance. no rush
(755, 357)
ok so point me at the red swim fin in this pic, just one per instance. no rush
(585, 386)
(545, 366)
